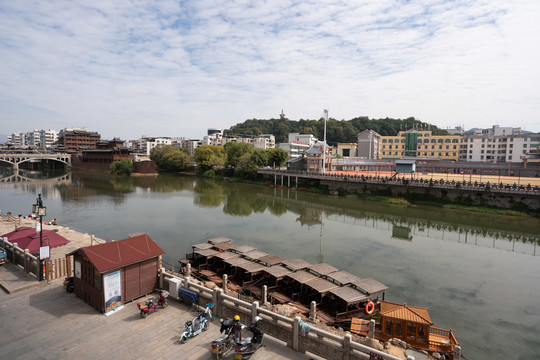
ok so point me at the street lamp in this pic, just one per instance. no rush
(41, 211)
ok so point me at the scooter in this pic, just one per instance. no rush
(195, 327)
(149, 306)
(224, 344)
(247, 347)
(68, 284)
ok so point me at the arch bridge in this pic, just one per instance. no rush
(16, 159)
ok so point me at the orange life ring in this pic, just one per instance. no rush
(370, 306)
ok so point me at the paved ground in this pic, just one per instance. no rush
(45, 322)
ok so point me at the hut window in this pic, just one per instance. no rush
(421, 334)
(388, 327)
(399, 328)
(411, 330)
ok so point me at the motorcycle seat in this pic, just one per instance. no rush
(245, 341)
(188, 323)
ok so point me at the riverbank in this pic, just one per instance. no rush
(76, 239)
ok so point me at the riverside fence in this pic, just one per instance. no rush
(292, 331)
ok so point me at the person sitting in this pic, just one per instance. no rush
(53, 222)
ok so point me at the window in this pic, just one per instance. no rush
(447, 147)
(383, 140)
(446, 140)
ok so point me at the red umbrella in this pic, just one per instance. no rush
(28, 238)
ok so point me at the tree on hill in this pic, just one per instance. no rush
(337, 131)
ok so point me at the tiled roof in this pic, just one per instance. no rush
(406, 313)
(117, 254)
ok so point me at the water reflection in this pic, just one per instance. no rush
(240, 200)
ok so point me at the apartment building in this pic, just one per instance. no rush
(418, 143)
(498, 148)
(369, 143)
(74, 139)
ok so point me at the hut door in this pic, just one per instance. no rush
(131, 282)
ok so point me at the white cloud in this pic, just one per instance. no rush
(127, 68)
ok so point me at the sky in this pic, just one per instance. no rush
(176, 68)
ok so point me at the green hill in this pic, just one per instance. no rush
(337, 131)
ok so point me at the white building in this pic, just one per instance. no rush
(266, 141)
(498, 148)
(16, 139)
(47, 138)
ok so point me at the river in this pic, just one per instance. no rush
(479, 274)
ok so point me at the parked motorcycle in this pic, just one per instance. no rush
(224, 344)
(68, 284)
(149, 306)
(247, 347)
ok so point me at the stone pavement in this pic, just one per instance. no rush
(13, 279)
(45, 322)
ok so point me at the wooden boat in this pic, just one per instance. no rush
(410, 324)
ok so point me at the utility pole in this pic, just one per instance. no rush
(324, 145)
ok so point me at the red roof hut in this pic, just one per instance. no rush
(108, 275)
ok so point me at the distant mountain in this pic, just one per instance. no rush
(3, 139)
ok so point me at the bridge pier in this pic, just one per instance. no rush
(15, 166)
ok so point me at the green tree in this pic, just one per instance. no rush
(209, 157)
(234, 151)
(277, 157)
(122, 167)
(169, 157)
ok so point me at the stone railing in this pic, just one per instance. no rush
(298, 335)
(20, 257)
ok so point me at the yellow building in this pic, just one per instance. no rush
(420, 144)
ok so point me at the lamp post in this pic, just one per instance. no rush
(41, 211)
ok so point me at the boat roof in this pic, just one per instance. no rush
(321, 285)
(207, 252)
(296, 264)
(343, 277)
(219, 240)
(235, 261)
(369, 285)
(224, 255)
(202, 246)
(224, 246)
(302, 276)
(271, 260)
(322, 268)
(405, 312)
(252, 267)
(277, 271)
(243, 249)
(349, 294)
(255, 254)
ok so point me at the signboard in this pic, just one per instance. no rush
(44, 252)
(77, 269)
(112, 290)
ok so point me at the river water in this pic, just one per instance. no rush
(479, 274)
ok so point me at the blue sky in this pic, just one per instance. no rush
(175, 68)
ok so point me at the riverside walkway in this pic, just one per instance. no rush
(43, 321)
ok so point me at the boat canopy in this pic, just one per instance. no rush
(343, 277)
(405, 312)
(227, 255)
(321, 285)
(235, 261)
(322, 268)
(270, 260)
(241, 249)
(202, 246)
(369, 286)
(302, 276)
(296, 264)
(219, 240)
(208, 253)
(255, 254)
(224, 246)
(349, 294)
(277, 271)
(252, 267)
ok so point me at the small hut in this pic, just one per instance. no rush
(108, 275)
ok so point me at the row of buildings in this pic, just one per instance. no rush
(493, 145)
